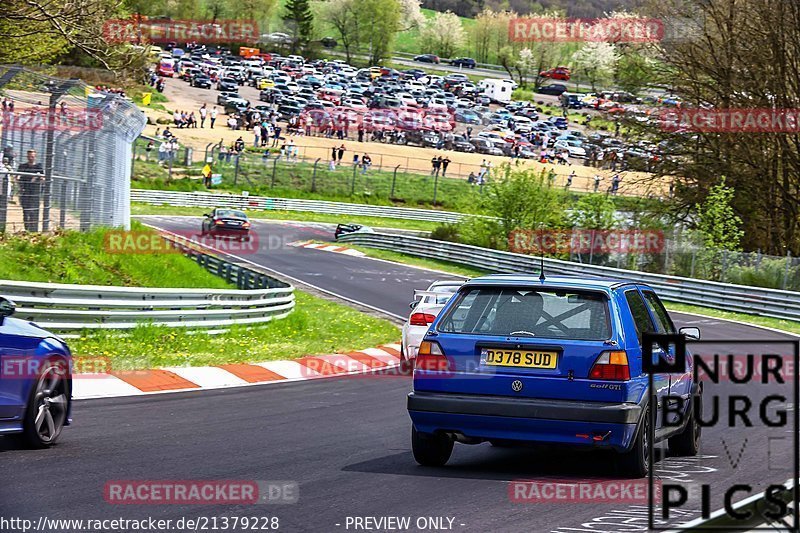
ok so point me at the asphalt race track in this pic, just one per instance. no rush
(346, 441)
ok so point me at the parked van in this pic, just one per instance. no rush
(497, 90)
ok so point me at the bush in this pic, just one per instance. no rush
(483, 232)
(770, 274)
(446, 232)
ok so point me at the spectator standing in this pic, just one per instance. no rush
(340, 153)
(569, 180)
(256, 136)
(213, 116)
(435, 164)
(5, 177)
(597, 179)
(8, 153)
(615, 183)
(366, 162)
(445, 161)
(276, 135)
(30, 190)
(162, 152)
(148, 149)
(203, 113)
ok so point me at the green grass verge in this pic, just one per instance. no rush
(316, 326)
(294, 180)
(81, 258)
(298, 180)
(304, 216)
(776, 323)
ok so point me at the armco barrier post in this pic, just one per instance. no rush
(786, 270)
(274, 169)
(353, 187)
(314, 176)
(236, 169)
(394, 180)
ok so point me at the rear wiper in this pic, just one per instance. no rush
(521, 332)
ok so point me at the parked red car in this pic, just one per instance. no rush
(558, 73)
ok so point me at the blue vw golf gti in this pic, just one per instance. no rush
(518, 359)
(35, 380)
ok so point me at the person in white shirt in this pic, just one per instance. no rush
(213, 116)
(203, 112)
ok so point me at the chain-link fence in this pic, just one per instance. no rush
(676, 255)
(66, 153)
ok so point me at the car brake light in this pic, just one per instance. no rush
(431, 357)
(612, 366)
(421, 319)
(219, 222)
(246, 225)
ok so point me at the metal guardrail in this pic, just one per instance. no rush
(204, 199)
(745, 299)
(64, 307)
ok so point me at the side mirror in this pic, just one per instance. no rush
(207, 215)
(690, 333)
(7, 308)
(413, 304)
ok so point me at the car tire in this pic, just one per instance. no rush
(635, 463)
(430, 450)
(687, 442)
(50, 391)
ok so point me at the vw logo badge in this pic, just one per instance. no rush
(516, 385)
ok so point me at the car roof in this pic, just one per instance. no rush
(558, 282)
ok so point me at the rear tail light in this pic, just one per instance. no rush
(421, 319)
(611, 366)
(431, 357)
(219, 222)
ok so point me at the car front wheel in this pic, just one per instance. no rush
(431, 450)
(46, 412)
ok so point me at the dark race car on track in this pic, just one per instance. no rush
(226, 222)
(344, 229)
(514, 359)
(35, 380)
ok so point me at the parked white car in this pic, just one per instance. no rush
(573, 147)
(424, 308)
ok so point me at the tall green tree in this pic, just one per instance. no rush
(380, 21)
(299, 21)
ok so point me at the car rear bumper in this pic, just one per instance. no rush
(598, 424)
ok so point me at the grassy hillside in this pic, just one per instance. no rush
(81, 258)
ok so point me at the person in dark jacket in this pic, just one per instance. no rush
(30, 190)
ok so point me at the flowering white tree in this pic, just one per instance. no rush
(596, 61)
(411, 15)
(443, 34)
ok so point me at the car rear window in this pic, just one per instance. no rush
(547, 313)
(231, 213)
